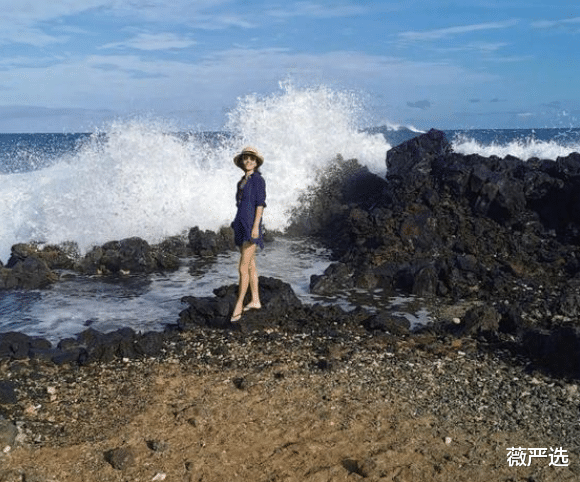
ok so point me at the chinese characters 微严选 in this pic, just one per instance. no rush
(519, 456)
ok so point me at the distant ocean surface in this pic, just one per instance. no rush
(138, 177)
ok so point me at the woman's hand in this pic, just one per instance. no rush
(257, 219)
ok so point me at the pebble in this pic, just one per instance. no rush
(481, 390)
(52, 393)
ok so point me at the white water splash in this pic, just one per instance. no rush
(137, 178)
(525, 148)
(300, 133)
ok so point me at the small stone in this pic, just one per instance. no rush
(240, 383)
(159, 476)
(7, 393)
(8, 434)
(448, 440)
(32, 410)
(120, 458)
(52, 393)
(572, 389)
(157, 446)
(457, 321)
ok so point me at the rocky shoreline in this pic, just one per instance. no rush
(311, 392)
(275, 405)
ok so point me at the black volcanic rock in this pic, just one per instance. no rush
(411, 162)
(501, 231)
(208, 243)
(26, 270)
(131, 255)
(557, 349)
(33, 267)
(447, 224)
(277, 298)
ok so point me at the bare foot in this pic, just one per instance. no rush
(252, 306)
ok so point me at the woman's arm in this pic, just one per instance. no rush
(257, 218)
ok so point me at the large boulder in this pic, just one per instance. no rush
(18, 346)
(557, 350)
(131, 255)
(55, 257)
(277, 298)
(88, 346)
(386, 322)
(209, 243)
(411, 162)
(29, 268)
(29, 273)
(93, 346)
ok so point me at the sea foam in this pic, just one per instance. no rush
(137, 177)
(523, 148)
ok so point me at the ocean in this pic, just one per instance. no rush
(141, 177)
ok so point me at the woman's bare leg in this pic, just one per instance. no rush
(247, 253)
(254, 288)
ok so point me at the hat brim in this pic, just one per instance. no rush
(238, 158)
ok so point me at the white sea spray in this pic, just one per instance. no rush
(137, 177)
(523, 148)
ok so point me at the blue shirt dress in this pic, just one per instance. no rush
(248, 197)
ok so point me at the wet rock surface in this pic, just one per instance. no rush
(279, 305)
(34, 266)
(27, 273)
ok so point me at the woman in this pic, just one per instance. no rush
(251, 201)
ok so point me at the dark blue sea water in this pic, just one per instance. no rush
(138, 179)
(27, 152)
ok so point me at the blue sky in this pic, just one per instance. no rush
(72, 65)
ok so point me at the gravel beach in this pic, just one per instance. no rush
(271, 405)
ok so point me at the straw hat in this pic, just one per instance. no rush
(253, 152)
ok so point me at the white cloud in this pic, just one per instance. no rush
(19, 20)
(420, 104)
(189, 12)
(549, 24)
(32, 11)
(131, 83)
(437, 34)
(28, 36)
(317, 10)
(25, 21)
(153, 41)
(484, 47)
